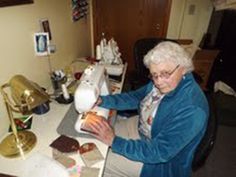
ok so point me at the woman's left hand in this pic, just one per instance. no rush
(102, 131)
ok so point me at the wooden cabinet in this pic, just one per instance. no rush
(203, 61)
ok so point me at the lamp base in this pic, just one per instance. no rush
(10, 148)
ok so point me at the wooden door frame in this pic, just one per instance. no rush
(167, 17)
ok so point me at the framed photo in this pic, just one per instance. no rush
(4, 3)
(46, 27)
(41, 43)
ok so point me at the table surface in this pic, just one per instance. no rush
(44, 127)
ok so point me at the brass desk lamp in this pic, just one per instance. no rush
(25, 95)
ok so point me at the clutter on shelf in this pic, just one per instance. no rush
(108, 54)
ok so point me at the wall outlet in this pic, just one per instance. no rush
(192, 9)
(52, 48)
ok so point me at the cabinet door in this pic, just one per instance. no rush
(203, 61)
(130, 20)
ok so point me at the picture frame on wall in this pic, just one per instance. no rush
(41, 43)
(5, 3)
(46, 27)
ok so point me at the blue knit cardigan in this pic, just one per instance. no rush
(177, 128)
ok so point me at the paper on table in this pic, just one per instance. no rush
(40, 165)
(89, 172)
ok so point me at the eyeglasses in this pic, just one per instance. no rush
(164, 75)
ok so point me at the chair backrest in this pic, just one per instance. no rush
(141, 47)
(139, 76)
(208, 141)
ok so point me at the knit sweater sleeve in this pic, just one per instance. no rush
(125, 101)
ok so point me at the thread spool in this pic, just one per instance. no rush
(98, 52)
(66, 95)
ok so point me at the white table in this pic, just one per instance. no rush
(44, 126)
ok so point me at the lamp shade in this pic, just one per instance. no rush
(27, 93)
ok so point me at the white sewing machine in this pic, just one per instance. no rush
(94, 82)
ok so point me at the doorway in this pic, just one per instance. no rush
(129, 20)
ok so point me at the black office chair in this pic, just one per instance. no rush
(208, 141)
(139, 76)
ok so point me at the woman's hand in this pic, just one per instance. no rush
(102, 131)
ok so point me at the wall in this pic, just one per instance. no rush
(184, 25)
(226, 4)
(19, 23)
(176, 16)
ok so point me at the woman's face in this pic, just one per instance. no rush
(166, 75)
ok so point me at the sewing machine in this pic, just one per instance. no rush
(94, 82)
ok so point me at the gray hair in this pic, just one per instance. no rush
(169, 52)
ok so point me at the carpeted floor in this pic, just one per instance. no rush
(222, 160)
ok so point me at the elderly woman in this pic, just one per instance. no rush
(173, 113)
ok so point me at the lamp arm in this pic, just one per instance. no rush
(9, 111)
(6, 98)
